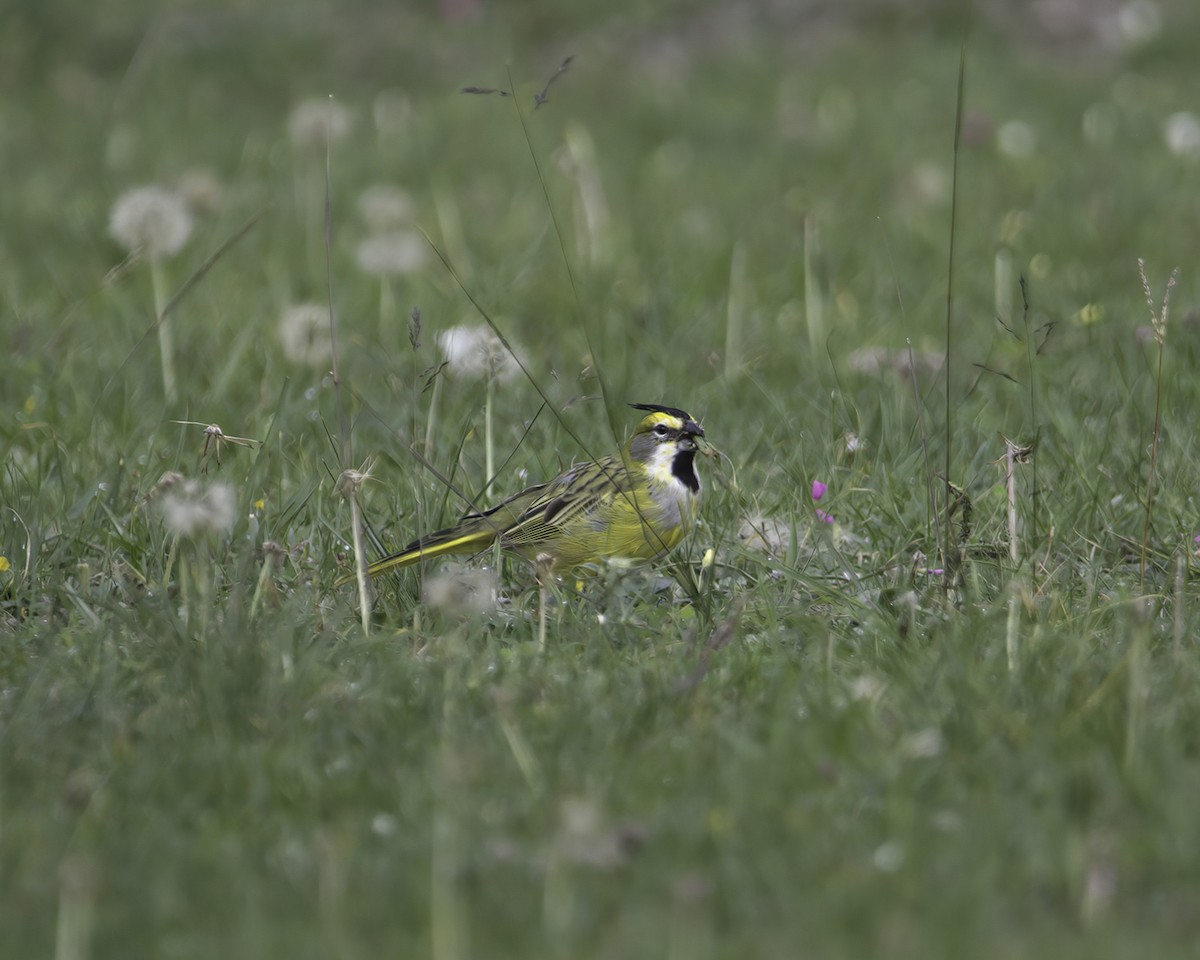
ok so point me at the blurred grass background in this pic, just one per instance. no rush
(831, 754)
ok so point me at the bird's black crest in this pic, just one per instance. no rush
(661, 408)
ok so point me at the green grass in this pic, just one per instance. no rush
(828, 751)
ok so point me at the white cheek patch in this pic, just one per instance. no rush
(659, 464)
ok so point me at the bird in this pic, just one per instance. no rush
(637, 504)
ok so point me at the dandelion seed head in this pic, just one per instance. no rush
(304, 333)
(475, 352)
(395, 252)
(152, 220)
(923, 744)
(167, 482)
(888, 857)
(317, 123)
(929, 183)
(875, 361)
(867, 687)
(188, 508)
(384, 207)
(200, 190)
(1181, 131)
(770, 535)
(1138, 21)
(462, 591)
(1016, 139)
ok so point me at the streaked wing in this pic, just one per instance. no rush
(572, 497)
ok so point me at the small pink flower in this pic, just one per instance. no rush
(826, 517)
(819, 489)
(935, 571)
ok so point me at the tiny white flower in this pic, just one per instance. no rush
(151, 220)
(304, 333)
(314, 124)
(384, 207)
(400, 251)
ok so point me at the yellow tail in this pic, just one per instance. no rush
(434, 545)
(470, 537)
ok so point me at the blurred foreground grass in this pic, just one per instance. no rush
(837, 751)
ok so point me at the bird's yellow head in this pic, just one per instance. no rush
(667, 425)
(666, 440)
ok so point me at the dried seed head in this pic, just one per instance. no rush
(350, 480)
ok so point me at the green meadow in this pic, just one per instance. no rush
(922, 684)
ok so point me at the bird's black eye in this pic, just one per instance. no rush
(662, 430)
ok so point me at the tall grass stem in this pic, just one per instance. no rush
(735, 312)
(814, 303)
(949, 340)
(166, 346)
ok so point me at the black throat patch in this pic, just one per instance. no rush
(684, 470)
